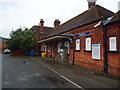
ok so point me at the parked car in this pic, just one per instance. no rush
(6, 51)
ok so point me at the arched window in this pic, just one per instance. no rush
(77, 44)
(88, 44)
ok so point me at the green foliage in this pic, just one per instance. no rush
(21, 39)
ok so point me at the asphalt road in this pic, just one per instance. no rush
(36, 72)
(23, 72)
(0, 71)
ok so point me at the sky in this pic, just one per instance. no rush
(26, 13)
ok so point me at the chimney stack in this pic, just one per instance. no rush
(41, 22)
(41, 25)
(56, 22)
(91, 3)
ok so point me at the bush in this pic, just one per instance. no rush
(21, 39)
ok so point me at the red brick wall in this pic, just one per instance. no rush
(70, 57)
(83, 58)
(114, 58)
(3, 46)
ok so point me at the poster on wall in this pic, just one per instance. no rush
(96, 51)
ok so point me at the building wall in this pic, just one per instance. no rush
(3, 45)
(114, 57)
(0, 45)
(82, 57)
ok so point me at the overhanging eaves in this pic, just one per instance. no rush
(57, 37)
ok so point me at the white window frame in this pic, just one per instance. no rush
(88, 44)
(45, 48)
(67, 45)
(77, 44)
(112, 44)
(48, 47)
(59, 45)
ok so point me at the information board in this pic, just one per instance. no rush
(95, 51)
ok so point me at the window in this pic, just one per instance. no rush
(45, 48)
(48, 47)
(88, 44)
(77, 44)
(112, 44)
(67, 45)
(59, 45)
(42, 47)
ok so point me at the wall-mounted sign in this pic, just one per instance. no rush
(95, 51)
(83, 34)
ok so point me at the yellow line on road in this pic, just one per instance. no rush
(59, 74)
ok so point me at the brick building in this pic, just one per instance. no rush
(113, 43)
(89, 40)
(3, 44)
(40, 31)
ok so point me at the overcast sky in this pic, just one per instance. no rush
(26, 13)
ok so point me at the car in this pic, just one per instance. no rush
(6, 51)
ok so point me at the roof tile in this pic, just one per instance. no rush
(95, 13)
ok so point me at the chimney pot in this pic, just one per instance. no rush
(91, 3)
(56, 22)
(41, 26)
(41, 22)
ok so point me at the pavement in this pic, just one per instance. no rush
(38, 72)
(84, 77)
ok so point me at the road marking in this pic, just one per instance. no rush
(59, 74)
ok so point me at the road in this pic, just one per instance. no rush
(36, 72)
(0, 71)
(23, 72)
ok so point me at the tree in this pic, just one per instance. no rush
(21, 39)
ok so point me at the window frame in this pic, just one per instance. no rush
(111, 47)
(45, 48)
(59, 45)
(48, 47)
(88, 44)
(68, 47)
(77, 44)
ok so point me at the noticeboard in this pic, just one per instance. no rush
(96, 51)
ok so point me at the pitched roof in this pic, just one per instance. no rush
(95, 13)
(116, 17)
(36, 29)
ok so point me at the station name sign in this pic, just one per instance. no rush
(83, 34)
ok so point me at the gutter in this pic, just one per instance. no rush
(113, 22)
(55, 37)
(105, 48)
